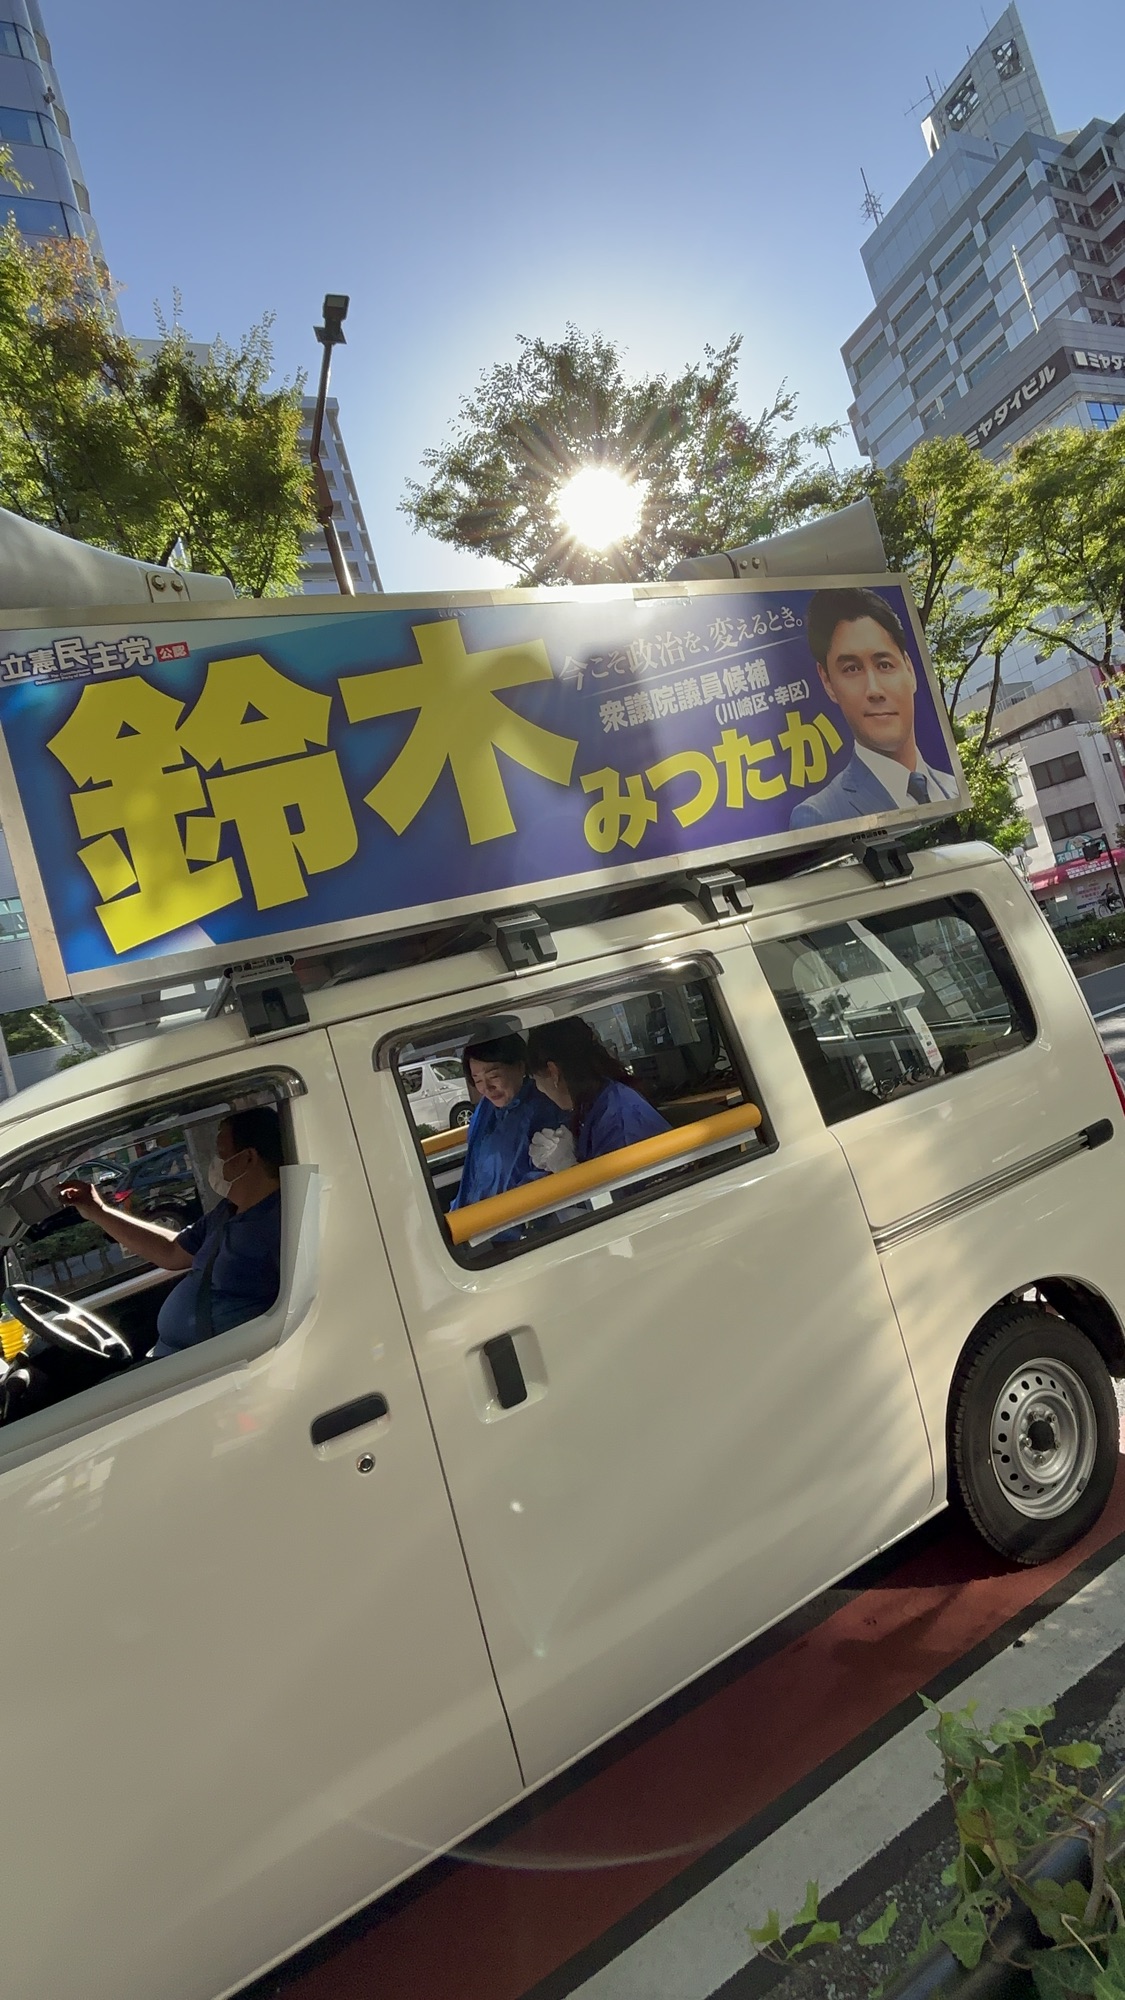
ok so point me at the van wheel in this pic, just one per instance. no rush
(1034, 1436)
(460, 1115)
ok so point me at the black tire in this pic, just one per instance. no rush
(1035, 1486)
(460, 1116)
(167, 1218)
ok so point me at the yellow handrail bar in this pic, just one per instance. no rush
(444, 1142)
(558, 1189)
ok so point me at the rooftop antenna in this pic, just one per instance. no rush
(929, 100)
(872, 205)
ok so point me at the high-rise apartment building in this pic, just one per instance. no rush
(999, 276)
(317, 573)
(34, 123)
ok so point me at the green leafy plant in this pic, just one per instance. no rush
(1011, 1791)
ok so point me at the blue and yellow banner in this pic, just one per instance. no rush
(187, 788)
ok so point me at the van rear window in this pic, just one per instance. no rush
(889, 1005)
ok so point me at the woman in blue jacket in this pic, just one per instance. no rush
(510, 1112)
(574, 1071)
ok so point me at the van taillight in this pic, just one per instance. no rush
(1117, 1083)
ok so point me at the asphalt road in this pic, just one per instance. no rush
(1105, 997)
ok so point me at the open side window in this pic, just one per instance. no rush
(676, 1103)
(148, 1163)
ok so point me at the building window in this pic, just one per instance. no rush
(1080, 819)
(923, 344)
(36, 218)
(975, 289)
(1058, 771)
(961, 105)
(911, 313)
(1006, 56)
(987, 361)
(26, 128)
(17, 41)
(866, 363)
(977, 330)
(958, 261)
(931, 375)
(1008, 206)
(13, 923)
(1090, 169)
(1102, 415)
(82, 197)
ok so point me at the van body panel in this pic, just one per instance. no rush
(263, 1683)
(722, 1407)
(240, 1703)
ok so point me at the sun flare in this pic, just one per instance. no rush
(600, 507)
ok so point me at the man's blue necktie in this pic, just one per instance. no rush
(918, 787)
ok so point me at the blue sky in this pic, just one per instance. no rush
(668, 175)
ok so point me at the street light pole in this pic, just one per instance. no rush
(330, 335)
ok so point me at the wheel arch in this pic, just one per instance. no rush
(1081, 1304)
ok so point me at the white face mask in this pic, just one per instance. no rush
(217, 1175)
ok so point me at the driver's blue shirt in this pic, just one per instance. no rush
(245, 1273)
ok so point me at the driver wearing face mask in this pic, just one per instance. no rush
(231, 1258)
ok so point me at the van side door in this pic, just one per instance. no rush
(713, 1415)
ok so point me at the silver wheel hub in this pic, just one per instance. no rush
(1043, 1439)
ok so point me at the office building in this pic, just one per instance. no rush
(317, 573)
(999, 275)
(34, 123)
(999, 282)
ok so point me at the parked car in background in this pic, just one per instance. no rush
(160, 1187)
(437, 1093)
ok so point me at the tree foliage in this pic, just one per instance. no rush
(141, 452)
(711, 477)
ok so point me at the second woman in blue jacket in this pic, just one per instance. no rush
(575, 1071)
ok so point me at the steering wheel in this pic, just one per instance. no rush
(64, 1325)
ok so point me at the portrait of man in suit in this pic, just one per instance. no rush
(859, 646)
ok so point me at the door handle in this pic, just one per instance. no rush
(507, 1375)
(347, 1417)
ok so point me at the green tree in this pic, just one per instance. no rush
(1068, 490)
(141, 453)
(711, 477)
(948, 524)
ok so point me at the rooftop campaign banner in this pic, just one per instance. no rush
(181, 789)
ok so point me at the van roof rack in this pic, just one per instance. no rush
(269, 992)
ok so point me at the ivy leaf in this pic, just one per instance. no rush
(1079, 1756)
(770, 1932)
(1107, 1987)
(951, 1876)
(966, 1937)
(1051, 1975)
(880, 1930)
(810, 1908)
(1020, 1725)
(820, 1933)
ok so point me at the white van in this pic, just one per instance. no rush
(437, 1093)
(292, 1611)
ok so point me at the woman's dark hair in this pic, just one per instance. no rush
(501, 1049)
(257, 1129)
(583, 1062)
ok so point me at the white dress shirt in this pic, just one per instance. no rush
(894, 776)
